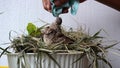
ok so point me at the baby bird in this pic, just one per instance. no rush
(53, 34)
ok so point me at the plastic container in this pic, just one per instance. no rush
(65, 60)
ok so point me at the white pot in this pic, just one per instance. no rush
(65, 60)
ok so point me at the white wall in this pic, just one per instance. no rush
(91, 14)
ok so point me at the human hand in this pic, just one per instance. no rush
(58, 3)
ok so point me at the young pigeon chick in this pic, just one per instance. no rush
(53, 34)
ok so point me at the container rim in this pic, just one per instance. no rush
(59, 52)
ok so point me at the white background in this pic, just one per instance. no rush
(91, 14)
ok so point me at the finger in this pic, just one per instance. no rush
(47, 5)
(58, 3)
